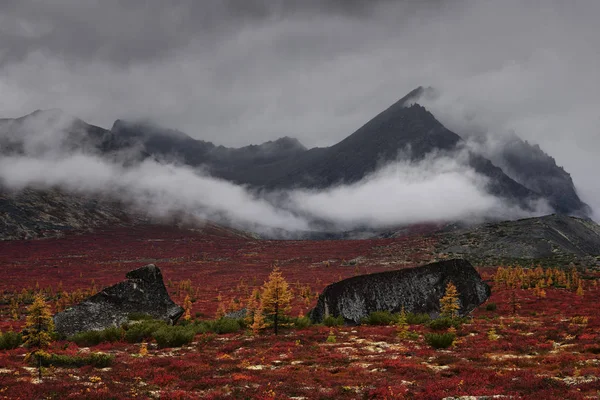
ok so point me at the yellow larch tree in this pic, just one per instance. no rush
(252, 307)
(580, 291)
(39, 329)
(276, 298)
(187, 306)
(258, 321)
(402, 327)
(450, 304)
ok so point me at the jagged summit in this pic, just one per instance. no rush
(517, 172)
(46, 113)
(285, 142)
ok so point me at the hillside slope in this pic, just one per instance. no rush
(553, 239)
(47, 213)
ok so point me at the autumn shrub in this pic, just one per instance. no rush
(491, 307)
(381, 318)
(97, 360)
(142, 330)
(174, 336)
(417, 319)
(331, 338)
(330, 320)
(206, 338)
(440, 340)
(10, 340)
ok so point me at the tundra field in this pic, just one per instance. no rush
(537, 336)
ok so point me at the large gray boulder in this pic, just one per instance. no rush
(143, 292)
(418, 290)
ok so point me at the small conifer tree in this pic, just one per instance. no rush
(187, 306)
(492, 335)
(331, 338)
(252, 306)
(450, 303)
(39, 329)
(221, 311)
(402, 325)
(514, 303)
(258, 321)
(143, 349)
(14, 308)
(276, 297)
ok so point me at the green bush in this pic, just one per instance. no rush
(381, 318)
(85, 339)
(302, 323)
(226, 325)
(330, 320)
(444, 323)
(113, 334)
(417, 319)
(142, 330)
(10, 340)
(491, 307)
(174, 336)
(97, 360)
(92, 338)
(202, 326)
(440, 340)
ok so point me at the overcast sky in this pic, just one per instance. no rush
(245, 71)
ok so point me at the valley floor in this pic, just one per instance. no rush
(524, 346)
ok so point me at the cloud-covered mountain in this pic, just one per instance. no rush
(402, 158)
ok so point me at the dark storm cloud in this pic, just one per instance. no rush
(128, 31)
(246, 71)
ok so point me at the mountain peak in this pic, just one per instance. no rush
(429, 93)
(287, 143)
(51, 114)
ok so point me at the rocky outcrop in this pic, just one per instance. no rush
(418, 290)
(549, 240)
(238, 314)
(142, 292)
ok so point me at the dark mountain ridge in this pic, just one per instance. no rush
(518, 172)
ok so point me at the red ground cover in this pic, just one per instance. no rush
(545, 350)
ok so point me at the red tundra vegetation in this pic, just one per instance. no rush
(537, 337)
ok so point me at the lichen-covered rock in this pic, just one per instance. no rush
(418, 290)
(143, 292)
(239, 314)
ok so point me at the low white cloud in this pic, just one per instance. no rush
(155, 188)
(434, 190)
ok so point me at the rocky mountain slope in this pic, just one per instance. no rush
(35, 213)
(46, 213)
(552, 239)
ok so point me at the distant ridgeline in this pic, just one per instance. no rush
(518, 172)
